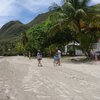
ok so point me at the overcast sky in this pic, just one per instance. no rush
(25, 10)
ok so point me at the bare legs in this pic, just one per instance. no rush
(57, 62)
(39, 62)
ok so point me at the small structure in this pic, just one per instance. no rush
(78, 51)
(96, 50)
(73, 47)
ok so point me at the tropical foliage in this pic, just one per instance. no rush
(76, 15)
(73, 20)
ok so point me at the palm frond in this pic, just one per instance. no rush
(95, 22)
(78, 4)
(56, 17)
(57, 28)
(67, 7)
(80, 13)
(72, 26)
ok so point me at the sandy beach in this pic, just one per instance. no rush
(22, 79)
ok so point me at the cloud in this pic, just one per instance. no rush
(95, 1)
(36, 5)
(8, 8)
(18, 9)
(25, 10)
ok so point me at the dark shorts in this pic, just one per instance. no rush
(39, 59)
(57, 59)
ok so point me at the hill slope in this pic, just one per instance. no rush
(11, 30)
(39, 19)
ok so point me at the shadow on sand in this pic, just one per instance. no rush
(78, 60)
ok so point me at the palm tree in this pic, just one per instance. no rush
(70, 14)
(79, 18)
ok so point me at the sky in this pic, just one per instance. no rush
(25, 10)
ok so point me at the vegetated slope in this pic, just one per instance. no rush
(96, 7)
(12, 29)
(39, 19)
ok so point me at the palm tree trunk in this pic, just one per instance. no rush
(78, 25)
(87, 53)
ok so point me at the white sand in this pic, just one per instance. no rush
(22, 79)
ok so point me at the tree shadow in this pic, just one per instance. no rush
(79, 60)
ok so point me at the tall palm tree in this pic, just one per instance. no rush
(70, 14)
(75, 15)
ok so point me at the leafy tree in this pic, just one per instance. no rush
(19, 48)
(76, 15)
(87, 40)
(69, 14)
(38, 37)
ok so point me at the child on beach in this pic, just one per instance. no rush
(39, 58)
(59, 54)
(56, 59)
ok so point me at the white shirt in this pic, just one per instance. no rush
(59, 52)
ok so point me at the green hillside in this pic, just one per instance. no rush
(11, 30)
(39, 19)
(96, 7)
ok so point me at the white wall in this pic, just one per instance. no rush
(96, 47)
(79, 53)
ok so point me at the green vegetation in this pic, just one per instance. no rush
(81, 20)
(39, 19)
(11, 30)
(7, 48)
(74, 21)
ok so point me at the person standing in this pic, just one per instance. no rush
(59, 54)
(57, 58)
(39, 58)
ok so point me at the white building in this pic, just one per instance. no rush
(77, 51)
(96, 48)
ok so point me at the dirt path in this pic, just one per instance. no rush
(22, 79)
